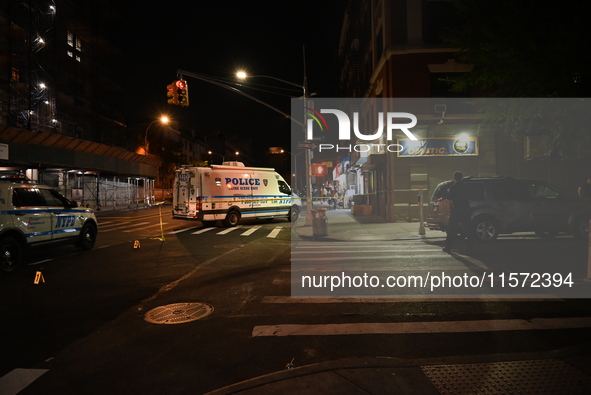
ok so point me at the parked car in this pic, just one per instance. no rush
(502, 205)
(37, 216)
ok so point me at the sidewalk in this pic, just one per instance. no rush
(566, 371)
(343, 226)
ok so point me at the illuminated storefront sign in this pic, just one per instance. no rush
(440, 146)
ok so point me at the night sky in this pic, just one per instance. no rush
(217, 38)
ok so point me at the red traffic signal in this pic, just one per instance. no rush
(172, 93)
(183, 91)
(178, 93)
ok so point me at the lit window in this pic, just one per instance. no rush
(75, 44)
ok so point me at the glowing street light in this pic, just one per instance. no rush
(164, 120)
(242, 75)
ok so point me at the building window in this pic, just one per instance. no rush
(75, 46)
(14, 74)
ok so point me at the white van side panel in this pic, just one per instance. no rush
(209, 193)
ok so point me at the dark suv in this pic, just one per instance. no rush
(507, 205)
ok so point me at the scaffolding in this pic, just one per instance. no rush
(96, 191)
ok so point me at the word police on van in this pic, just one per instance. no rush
(231, 191)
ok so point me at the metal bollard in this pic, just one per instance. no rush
(319, 222)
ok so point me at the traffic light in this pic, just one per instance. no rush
(183, 93)
(172, 93)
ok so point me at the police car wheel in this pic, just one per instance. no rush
(293, 214)
(87, 237)
(232, 218)
(10, 254)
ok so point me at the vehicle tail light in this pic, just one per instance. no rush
(199, 205)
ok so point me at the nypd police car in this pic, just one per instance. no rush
(36, 216)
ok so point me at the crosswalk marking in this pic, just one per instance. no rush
(275, 232)
(174, 232)
(250, 231)
(225, 232)
(129, 227)
(18, 379)
(372, 250)
(421, 327)
(365, 257)
(202, 231)
(411, 299)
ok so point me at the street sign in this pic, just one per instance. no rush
(307, 145)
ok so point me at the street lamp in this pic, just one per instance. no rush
(163, 120)
(241, 74)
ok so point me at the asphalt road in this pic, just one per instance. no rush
(86, 323)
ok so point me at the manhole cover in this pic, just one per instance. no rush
(178, 313)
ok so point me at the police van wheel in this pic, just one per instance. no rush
(87, 237)
(293, 214)
(10, 254)
(231, 219)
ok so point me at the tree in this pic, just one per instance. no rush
(525, 48)
(530, 49)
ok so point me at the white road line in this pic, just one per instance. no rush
(250, 231)
(354, 246)
(202, 231)
(414, 299)
(18, 379)
(225, 232)
(366, 257)
(357, 244)
(275, 232)
(352, 269)
(144, 227)
(124, 227)
(421, 327)
(357, 250)
(174, 232)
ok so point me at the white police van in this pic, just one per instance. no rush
(231, 191)
(33, 215)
